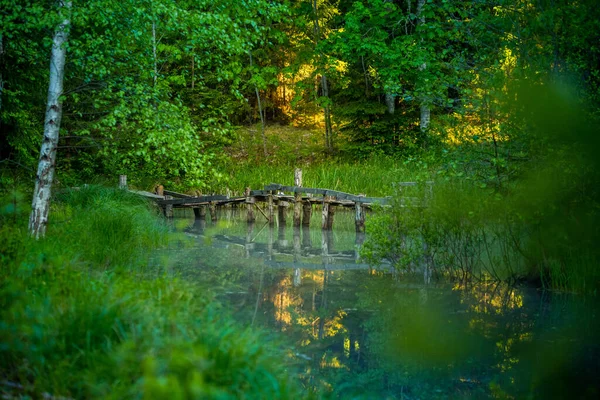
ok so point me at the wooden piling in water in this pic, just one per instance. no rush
(330, 216)
(359, 217)
(212, 208)
(249, 206)
(281, 209)
(271, 215)
(306, 213)
(297, 196)
(327, 213)
(168, 210)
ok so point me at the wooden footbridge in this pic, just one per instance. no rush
(275, 196)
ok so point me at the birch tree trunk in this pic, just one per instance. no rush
(425, 110)
(40, 205)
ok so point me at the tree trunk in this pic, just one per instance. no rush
(425, 110)
(390, 101)
(43, 184)
(260, 111)
(327, 112)
(155, 78)
(324, 86)
(1, 80)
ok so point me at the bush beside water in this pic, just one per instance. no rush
(80, 318)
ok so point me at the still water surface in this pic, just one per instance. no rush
(359, 332)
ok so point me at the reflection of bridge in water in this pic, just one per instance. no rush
(302, 252)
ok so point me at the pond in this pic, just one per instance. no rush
(358, 332)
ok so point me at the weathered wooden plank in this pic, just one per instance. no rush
(178, 195)
(324, 192)
(192, 200)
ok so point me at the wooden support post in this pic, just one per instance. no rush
(330, 216)
(306, 213)
(168, 208)
(123, 182)
(297, 196)
(249, 206)
(271, 209)
(282, 206)
(212, 208)
(202, 212)
(359, 217)
(327, 214)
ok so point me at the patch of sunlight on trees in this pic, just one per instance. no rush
(472, 129)
(332, 362)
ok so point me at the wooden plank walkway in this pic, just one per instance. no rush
(280, 196)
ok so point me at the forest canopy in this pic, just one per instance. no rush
(156, 88)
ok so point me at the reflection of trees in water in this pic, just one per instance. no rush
(362, 332)
(473, 340)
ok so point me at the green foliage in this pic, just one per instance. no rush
(70, 327)
(106, 226)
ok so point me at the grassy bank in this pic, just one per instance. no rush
(81, 318)
(289, 148)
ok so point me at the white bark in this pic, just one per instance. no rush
(40, 206)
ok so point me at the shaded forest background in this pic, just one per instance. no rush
(158, 89)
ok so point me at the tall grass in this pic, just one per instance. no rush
(77, 321)
(374, 177)
(106, 226)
